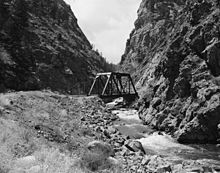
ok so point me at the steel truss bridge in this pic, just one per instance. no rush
(113, 85)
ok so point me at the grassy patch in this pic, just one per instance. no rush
(53, 161)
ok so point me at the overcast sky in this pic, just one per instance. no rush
(106, 23)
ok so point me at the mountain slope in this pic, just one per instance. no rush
(173, 53)
(42, 131)
(42, 46)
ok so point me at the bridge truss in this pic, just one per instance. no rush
(113, 85)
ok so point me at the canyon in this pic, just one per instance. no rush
(47, 64)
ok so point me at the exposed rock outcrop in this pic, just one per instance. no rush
(42, 46)
(173, 53)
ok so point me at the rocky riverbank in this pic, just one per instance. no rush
(46, 131)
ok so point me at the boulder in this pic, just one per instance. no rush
(145, 160)
(163, 169)
(5, 102)
(100, 148)
(135, 146)
(35, 169)
(25, 162)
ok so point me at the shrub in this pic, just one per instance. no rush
(91, 161)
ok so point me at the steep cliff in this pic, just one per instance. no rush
(42, 46)
(174, 55)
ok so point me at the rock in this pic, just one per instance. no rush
(218, 127)
(107, 134)
(163, 169)
(98, 129)
(145, 160)
(134, 146)
(5, 102)
(83, 119)
(156, 102)
(218, 145)
(178, 168)
(100, 148)
(216, 169)
(26, 162)
(111, 130)
(194, 170)
(207, 169)
(35, 169)
(114, 162)
(133, 168)
(125, 151)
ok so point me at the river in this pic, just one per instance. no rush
(155, 143)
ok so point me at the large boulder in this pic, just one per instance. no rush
(135, 146)
(102, 149)
(24, 163)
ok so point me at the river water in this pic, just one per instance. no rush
(164, 145)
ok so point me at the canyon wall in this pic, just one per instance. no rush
(174, 56)
(42, 47)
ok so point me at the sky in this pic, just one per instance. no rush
(106, 23)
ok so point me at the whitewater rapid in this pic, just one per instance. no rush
(156, 143)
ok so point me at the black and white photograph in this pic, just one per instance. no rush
(109, 86)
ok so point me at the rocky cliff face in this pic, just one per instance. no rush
(42, 46)
(174, 55)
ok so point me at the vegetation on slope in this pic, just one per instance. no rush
(47, 132)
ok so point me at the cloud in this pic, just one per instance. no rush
(106, 23)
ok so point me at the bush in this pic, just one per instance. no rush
(94, 162)
(91, 161)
